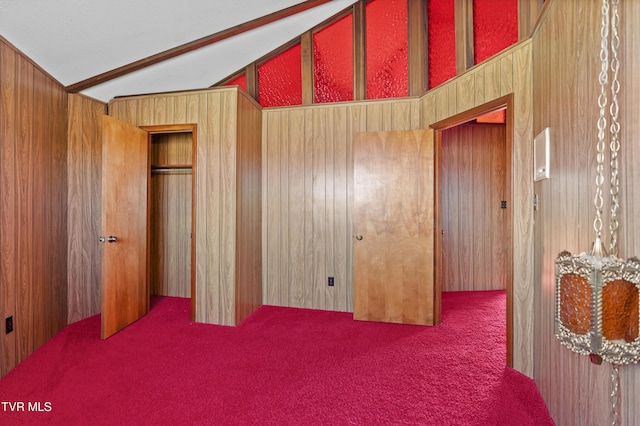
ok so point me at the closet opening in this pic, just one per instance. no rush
(171, 208)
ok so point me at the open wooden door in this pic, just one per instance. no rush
(125, 172)
(394, 227)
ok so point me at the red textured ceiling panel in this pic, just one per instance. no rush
(240, 80)
(495, 27)
(387, 49)
(442, 41)
(280, 79)
(333, 62)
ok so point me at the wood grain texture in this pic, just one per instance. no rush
(464, 35)
(417, 42)
(565, 85)
(170, 233)
(500, 73)
(394, 207)
(223, 121)
(248, 259)
(125, 186)
(308, 197)
(33, 213)
(473, 184)
(84, 159)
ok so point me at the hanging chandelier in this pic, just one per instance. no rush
(597, 294)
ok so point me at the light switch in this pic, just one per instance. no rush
(541, 155)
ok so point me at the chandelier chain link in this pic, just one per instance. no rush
(602, 120)
(615, 128)
(615, 397)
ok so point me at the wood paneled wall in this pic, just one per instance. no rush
(566, 65)
(506, 73)
(473, 222)
(33, 206)
(308, 179)
(308, 201)
(84, 199)
(170, 234)
(170, 205)
(228, 182)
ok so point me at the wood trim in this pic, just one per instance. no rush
(474, 113)
(418, 49)
(193, 45)
(463, 117)
(528, 14)
(464, 35)
(437, 234)
(306, 62)
(251, 74)
(359, 51)
(170, 128)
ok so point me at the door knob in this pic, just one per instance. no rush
(358, 237)
(112, 239)
(102, 239)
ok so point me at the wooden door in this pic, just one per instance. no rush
(394, 227)
(125, 171)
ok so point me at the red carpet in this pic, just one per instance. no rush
(280, 366)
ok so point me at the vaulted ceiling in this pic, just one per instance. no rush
(109, 48)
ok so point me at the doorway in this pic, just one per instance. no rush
(171, 245)
(467, 229)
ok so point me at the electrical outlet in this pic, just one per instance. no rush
(330, 281)
(9, 325)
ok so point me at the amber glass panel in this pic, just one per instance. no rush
(620, 311)
(387, 49)
(333, 62)
(241, 81)
(280, 79)
(575, 303)
(442, 41)
(495, 27)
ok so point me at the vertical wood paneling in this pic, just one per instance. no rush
(341, 260)
(295, 204)
(466, 91)
(41, 148)
(8, 205)
(272, 210)
(630, 196)
(33, 214)
(248, 288)
(84, 159)
(224, 125)
(24, 187)
(473, 184)
(228, 195)
(308, 179)
(503, 75)
(171, 215)
(565, 71)
(319, 194)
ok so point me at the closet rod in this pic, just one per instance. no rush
(171, 170)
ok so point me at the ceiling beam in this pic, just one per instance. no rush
(193, 45)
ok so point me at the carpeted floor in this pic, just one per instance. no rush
(281, 366)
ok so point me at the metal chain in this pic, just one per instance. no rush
(615, 397)
(614, 129)
(602, 120)
(615, 182)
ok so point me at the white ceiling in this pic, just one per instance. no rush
(74, 40)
